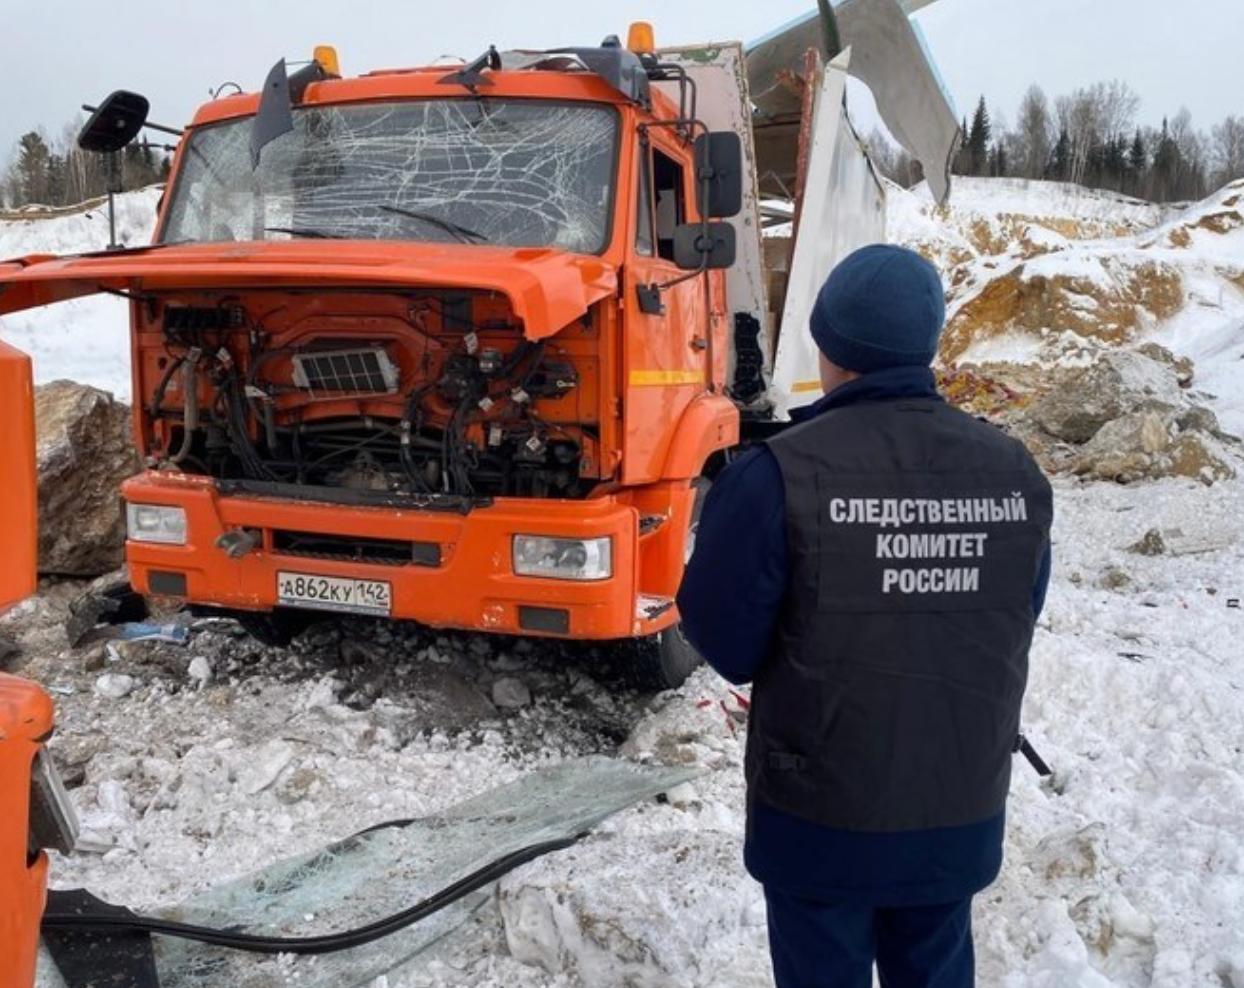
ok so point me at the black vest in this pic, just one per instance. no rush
(891, 699)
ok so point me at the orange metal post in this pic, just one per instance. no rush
(25, 710)
(18, 538)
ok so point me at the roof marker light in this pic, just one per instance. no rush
(326, 55)
(640, 38)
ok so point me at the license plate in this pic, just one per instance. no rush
(334, 593)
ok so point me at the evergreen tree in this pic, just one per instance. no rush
(1115, 164)
(1167, 166)
(998, 161)
(32, 167)
(1060, 160)
(978, 139)
(57, 181)
(1137, 163)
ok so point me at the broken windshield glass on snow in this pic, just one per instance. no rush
(519, 173)
(378, 873)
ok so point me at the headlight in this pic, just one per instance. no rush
(563, 559)
(156, 523)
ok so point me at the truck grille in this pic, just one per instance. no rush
(356, 549)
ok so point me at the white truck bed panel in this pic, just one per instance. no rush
(843, 209)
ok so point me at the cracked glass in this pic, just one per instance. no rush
(518, 173)
(377, 873)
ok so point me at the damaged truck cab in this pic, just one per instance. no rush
(415, 377)
(460, 345)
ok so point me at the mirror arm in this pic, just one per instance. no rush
(154, 126)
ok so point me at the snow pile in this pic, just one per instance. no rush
(1040, 275)
(84, 339)
(194, 764)
(992, 221)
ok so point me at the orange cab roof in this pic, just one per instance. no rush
(424, 83)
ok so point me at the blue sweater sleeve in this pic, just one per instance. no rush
(732, 590)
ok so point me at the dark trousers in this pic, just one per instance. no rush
(827, 945)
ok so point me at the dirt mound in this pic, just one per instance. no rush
(1109, 303)
(1043, 273)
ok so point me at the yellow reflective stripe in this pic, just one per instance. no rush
(641, 378)
(801, 387)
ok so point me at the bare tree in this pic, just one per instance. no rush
(1094, 117)
(1117, 103)
(1191, 180)
(1228, 150)
(1033, 140)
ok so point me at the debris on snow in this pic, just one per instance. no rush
(114, 685)
(200, 671)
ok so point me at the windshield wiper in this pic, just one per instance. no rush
(462, 233)
(304, 231)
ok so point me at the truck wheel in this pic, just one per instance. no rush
(667, 659)
(674, 657)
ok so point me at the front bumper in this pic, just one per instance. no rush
(472, 586)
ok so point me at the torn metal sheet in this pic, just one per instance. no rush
(843, 208)
(888, 54)
(373, 875)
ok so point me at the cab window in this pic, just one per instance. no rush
(667, 184)
(643, 207)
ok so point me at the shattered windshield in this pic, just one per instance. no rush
(518, 173)
(365, 878)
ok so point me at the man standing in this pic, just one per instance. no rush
(876, 570)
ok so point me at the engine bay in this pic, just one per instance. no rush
(368, 396)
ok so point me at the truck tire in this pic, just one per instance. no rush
(666, 659)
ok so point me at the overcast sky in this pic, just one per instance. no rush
(60, 53)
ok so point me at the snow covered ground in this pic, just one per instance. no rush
(84, 339)
(1126, 869)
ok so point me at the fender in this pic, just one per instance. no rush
(710, 423)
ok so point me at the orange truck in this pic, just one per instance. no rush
(464, 344)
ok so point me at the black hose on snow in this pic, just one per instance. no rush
(327, 943)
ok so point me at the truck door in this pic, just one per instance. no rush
(664, 353)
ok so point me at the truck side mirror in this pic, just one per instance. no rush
(114, 123)
(719, 173)
(704, 245)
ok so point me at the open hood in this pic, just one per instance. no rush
(547, 288)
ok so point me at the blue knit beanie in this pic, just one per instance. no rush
(881, 307)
